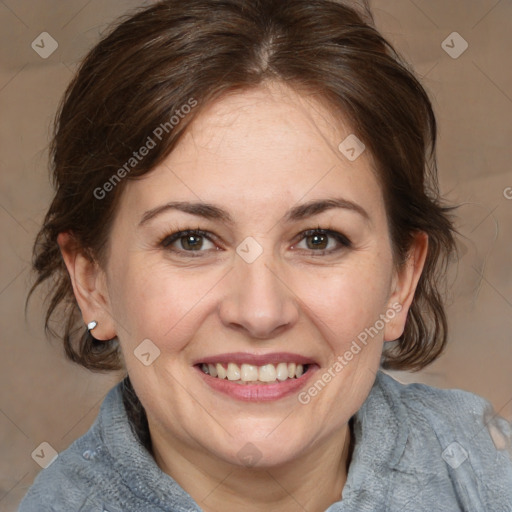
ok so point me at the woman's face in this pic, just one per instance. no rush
(253, 289)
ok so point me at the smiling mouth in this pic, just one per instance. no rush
(253, 374)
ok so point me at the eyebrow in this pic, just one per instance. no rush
(210, 211)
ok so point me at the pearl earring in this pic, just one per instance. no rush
(92, 325)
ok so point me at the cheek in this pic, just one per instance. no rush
(152, 301)
(346, 301)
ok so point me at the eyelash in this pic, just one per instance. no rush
(344, 242)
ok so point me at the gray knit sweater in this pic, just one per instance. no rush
(417, 448)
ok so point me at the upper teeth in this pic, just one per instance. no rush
(252, 373)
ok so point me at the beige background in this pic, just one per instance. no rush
(46, 398)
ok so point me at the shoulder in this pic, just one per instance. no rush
(454, 405)
(107, 469)
(456, 433)
(446, 410)
(76, 478)
(66, 482)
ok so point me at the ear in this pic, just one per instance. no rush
(89, 286)
(404, 285)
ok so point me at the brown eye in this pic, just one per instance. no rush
(191, 242)
(188, 241)
(323, 241)
(317, 241)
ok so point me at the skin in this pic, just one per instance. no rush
(256, 154)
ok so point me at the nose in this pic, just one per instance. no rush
(259, 301)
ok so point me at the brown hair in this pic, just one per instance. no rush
(175, 53)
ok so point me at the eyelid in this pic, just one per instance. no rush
(342, 239)
(180, 233)
(330, 232)
(176, 234)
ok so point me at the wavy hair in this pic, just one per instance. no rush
(153, 61)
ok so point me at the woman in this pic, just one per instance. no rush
(247, 221)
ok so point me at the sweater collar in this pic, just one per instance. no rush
(134, 463)
(381, 434)
(380, 437)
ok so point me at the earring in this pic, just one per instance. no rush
(92, 325)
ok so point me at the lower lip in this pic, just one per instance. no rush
(258, 392)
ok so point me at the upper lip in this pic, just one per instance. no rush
(256, 359)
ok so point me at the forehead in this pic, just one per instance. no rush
(271, 119)
(260, 147)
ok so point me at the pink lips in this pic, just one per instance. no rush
(257, 392)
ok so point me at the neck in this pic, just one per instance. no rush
(310, 482)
